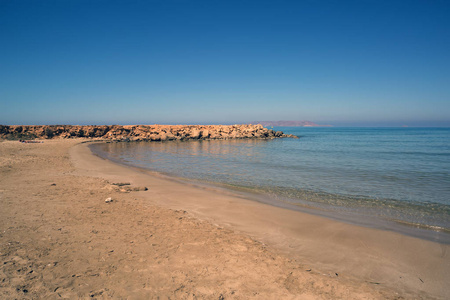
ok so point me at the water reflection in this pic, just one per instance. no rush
(349, 173)
(211, 160)
(223, 149)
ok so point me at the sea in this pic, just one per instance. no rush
(394, 179)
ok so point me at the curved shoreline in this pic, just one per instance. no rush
(417, 230)
(372, 255)
(60, 238)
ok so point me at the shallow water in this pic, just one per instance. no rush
(392, 174)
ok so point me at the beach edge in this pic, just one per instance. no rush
(372, 255)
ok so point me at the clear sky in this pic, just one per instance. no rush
(361, 62)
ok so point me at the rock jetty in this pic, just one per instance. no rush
(140, 132)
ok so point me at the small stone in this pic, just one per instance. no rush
(121, 183)
(108, 200)
(140, 188)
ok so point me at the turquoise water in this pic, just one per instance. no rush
(399, 175)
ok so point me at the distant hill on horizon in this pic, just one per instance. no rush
(289, 124)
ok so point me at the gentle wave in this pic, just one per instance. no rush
(394, 174)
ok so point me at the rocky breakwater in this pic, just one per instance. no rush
(140, 132)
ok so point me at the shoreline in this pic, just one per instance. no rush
(178, 240)
(289, 231)
(417, 230)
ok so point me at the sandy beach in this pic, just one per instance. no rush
(60, 239)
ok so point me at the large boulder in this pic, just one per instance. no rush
(205, 134)
(195, 134)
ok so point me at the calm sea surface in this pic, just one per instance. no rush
(393, 175)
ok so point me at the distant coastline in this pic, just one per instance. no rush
(289, 124)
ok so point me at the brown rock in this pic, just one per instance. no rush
(140, 132)
(195, 134)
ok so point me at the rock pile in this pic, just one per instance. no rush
(140, 132)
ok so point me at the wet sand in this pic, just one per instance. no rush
(58, 238)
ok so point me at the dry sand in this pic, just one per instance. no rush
(59, 239)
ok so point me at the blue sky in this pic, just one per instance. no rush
(177, 61)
